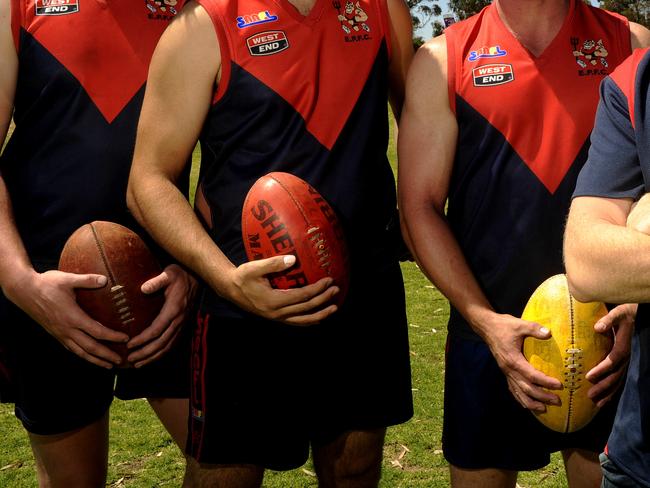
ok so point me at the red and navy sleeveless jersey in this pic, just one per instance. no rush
(619, 167)
(306, 95)
(82, 70)
(524, 125)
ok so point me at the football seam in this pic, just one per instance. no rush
(102, 254)
(119, 298)
(295, 201)
(322, 253)
(572, 323)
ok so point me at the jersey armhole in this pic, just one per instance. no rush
(224, 48)
(386, 22)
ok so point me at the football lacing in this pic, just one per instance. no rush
(320, 246)
(121, 304)
(573, 368)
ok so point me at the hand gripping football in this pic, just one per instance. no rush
(569, 354)
(119, 254)
(283, 215)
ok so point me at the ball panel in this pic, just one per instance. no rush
(283, 214)
(569, 354)
(118, 253)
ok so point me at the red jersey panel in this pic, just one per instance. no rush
(112, 67)
(284, 50)
(556, 92)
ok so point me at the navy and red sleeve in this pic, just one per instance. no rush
(613, 168)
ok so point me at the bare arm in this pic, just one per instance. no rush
(639, 35)
(605, 260)
(47, 297)
(427, 142)
(182, 75)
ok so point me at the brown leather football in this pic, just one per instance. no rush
(118, 253)
(283, 214)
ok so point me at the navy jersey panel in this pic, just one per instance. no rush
(619, 167)
(509, 255)
(68, 166)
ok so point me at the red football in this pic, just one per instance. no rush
(283, 214)
(119, 254)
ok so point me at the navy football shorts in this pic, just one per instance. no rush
(485, 427)
(263, 391)
(56, 391)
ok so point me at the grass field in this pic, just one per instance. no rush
(142, 455)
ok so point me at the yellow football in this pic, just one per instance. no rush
(569, 354)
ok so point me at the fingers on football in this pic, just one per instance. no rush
(522, 393)
(614, 362)
(98, 331)
(92, 351)
(307, 305)
(156, 283)
(86, 280)
(269, 265)
(534, 329)
(158, 347)
(538, 378)
(171, 312)
(603, 391)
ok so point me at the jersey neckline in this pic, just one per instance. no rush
(550, 48)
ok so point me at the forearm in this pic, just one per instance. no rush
(14, 262)
(440, 258)
(167, 215)
(604, 259)
(179, 91)
(15, 265)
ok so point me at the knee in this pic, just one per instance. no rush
(339, 465)
(94, 477)
(356, 473)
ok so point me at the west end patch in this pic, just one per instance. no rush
(56, 7)
(493, 74)
(267, 43)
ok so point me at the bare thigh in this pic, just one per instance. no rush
(582, 468)
(173, 413)
(75, 458)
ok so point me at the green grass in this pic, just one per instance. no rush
(142, 455)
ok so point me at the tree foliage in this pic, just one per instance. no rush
(423, 13)
(636, 11)
(467, 8)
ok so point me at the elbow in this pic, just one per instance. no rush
(405, 233)
(132, 201)
(579, 287)
(130, 197)
(580, 277)
(577, 264)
